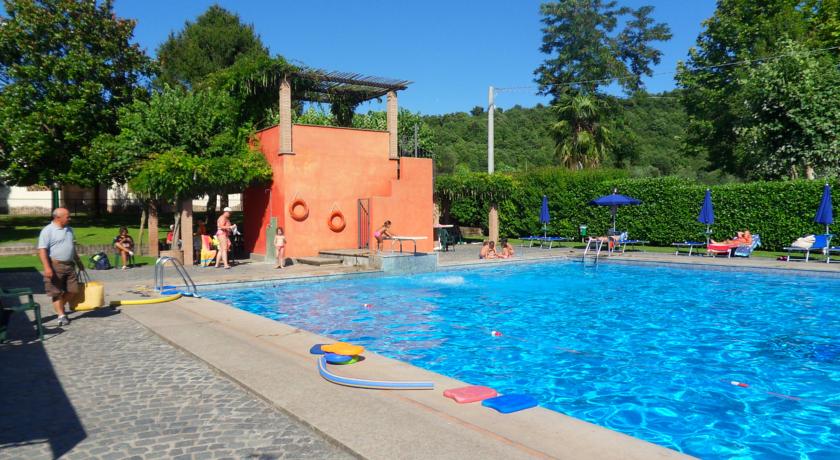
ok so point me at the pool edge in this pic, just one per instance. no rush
(226, 338)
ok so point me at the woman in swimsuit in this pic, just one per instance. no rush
(223, 230)
(744, 237)
(485, 249)
(383, 233)
(125, 245)
(280, 248)
(507, 249)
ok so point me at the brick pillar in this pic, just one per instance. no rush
(153, 230)
(285, 117)
(392, 123)
(187, 231)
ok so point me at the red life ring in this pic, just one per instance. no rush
(331, 221)
(299, 216)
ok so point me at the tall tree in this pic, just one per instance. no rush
(581, 139)
(738, 37)
(587, 53)
(66, 66)
(789, 125)
(184, 144)
(218, 51)
(215, 41)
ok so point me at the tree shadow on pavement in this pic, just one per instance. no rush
(35, 408)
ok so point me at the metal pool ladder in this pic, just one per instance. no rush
(191, 289)
(592, 245)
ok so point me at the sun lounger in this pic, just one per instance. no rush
(530, 240)
(717, 249)
(821, 243)
(624, 241)
(687, 244)
(829, 251)
(622, 244)
(553, 239)
(542, 240)
(745, 250)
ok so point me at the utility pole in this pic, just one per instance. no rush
(493, 218)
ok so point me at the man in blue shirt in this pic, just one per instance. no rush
(57, 250)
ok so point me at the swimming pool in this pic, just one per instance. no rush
(646, 350)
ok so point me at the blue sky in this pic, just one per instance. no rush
(451, 50)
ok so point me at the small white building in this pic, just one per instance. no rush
(37, 200)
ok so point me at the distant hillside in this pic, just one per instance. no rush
(647, 131)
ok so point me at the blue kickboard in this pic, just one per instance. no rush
(316, 349)
(333, 358)
(510, 403)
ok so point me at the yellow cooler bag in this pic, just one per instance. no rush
(91, 293)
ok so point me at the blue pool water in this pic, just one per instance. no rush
(645, 350)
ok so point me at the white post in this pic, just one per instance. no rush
(493, 217)
(491, 109)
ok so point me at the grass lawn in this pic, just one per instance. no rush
(32, 261)
(89, 229)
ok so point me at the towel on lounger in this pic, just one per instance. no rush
(804, 243)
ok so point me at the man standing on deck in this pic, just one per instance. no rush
(57, 250)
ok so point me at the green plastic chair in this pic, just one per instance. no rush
(446, 239)
(6, 310)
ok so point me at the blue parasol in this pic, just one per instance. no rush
(544, 216)
(614, 201)
(707, 212)
(824, 214)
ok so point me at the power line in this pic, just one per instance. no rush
(674, 72)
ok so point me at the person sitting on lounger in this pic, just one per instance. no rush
(507, 249)
(744, 237)
(611, 240)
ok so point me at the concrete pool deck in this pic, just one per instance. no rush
(271, 361)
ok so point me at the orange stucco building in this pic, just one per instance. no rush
(354, 172)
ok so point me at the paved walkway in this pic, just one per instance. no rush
(105, 387)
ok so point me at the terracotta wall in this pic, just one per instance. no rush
(255, 201)
(410, 205)
(331, 169)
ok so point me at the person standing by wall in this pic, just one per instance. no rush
(57, 251)
(280, 248)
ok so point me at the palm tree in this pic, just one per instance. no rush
(581, 140)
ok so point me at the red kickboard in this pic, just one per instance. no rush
(472, 393)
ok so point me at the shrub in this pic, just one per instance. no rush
(779, 211)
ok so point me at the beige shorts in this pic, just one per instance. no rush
(63, 281)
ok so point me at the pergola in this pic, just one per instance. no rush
(311, 85)
(350, 89)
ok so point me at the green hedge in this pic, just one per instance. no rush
(779, 211)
